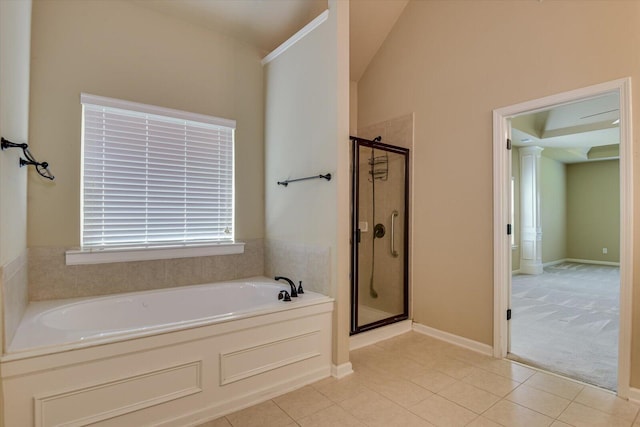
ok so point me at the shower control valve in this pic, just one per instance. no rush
(379, 231)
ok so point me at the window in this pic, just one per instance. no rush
(154, 177)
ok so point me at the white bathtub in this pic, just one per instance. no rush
(61, 324)
(170, 357)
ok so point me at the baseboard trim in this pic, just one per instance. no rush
(580, 261)
(556, 262)
(634, 395)
(454, 339)
(379, 334)
(590, 261)
(341, 371)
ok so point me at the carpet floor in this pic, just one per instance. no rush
(566, 321)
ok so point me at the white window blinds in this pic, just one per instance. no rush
(153, 176)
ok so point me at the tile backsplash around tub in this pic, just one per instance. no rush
(309, 263)
(51, 278)
(13, 277)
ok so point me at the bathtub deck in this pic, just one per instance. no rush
(62, 325)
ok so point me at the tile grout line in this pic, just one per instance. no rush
(563, 411)
(519, 385)
(288, 414)
(386, 373)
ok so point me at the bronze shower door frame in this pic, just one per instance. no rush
(355, 182)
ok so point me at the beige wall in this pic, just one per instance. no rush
(593, 210)
(306, 133)
(553, 209)
(353, 108)
(15, 36)
(454, 62)
(299, 142)
(118, 49)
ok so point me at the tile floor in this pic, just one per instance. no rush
(414, 380)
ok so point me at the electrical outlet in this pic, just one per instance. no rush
(604, 250)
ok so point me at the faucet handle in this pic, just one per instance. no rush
(300, 290)
(284, 295)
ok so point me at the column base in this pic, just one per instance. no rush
(531, 268)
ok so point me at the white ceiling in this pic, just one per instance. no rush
(268, 23)
(570, 132)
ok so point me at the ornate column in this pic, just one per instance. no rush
(530, 224)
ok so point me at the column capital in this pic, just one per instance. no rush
(531, 149)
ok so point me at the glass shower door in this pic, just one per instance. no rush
(380, 234)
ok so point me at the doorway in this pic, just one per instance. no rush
(531, 231)
(379, 263)
(566, 239)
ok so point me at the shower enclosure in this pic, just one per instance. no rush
(379, 262)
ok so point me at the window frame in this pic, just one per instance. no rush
(152, 251)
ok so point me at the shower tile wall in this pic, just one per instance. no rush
(309, 263)
(15, 294)
(398, 132)
(388, 270)
(51, 278)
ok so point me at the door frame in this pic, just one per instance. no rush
(501, 203)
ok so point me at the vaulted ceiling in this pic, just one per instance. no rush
(268, 23)
(370, 22)
(264, 24)
(575, 132)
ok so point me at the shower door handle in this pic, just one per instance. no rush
(394, 215)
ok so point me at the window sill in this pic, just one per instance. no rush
(104, 256)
